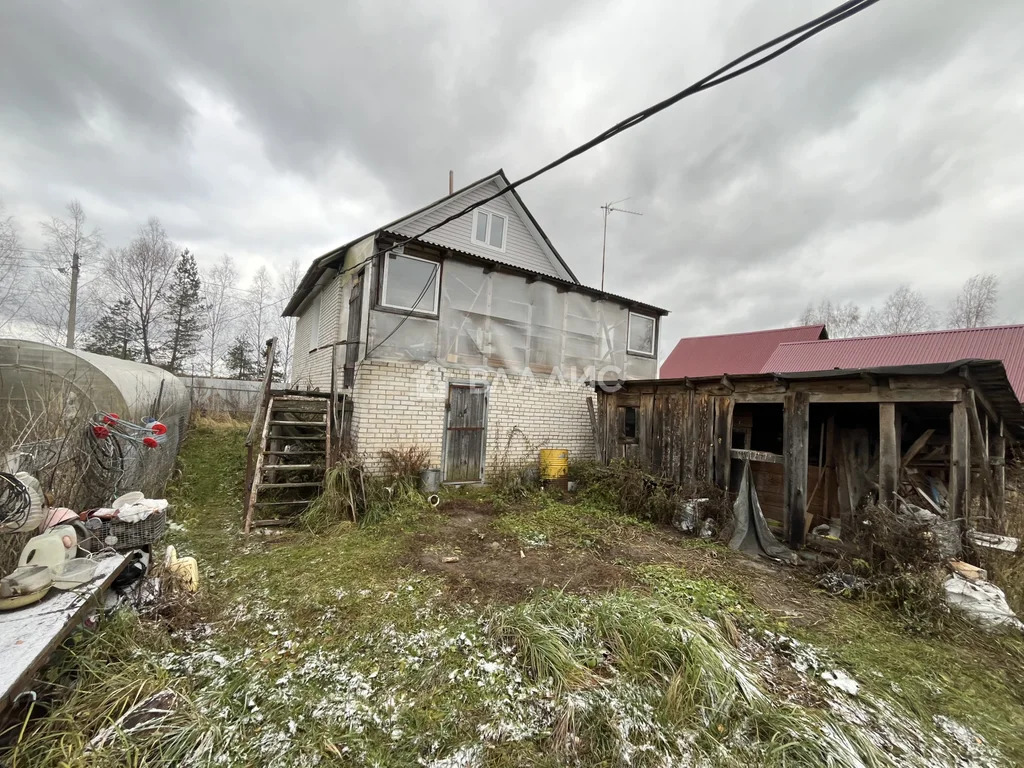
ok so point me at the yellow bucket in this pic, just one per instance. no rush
(554, 463)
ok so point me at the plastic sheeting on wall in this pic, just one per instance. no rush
(48, 397)
(496, 320)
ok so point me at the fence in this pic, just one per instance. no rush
(210, 394)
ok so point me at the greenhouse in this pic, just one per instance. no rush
(89, 427)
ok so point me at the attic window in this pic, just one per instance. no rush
(489, 229)
(641, 335)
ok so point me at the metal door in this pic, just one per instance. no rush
(355, 316)
(465, 429)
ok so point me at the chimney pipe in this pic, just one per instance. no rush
(451, 182)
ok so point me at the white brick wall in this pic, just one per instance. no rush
(399, 404)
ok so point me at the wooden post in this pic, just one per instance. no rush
(796, 420)
(888, 455)
(959, 460)
(723, 440)
(830, 468)
(999, 471)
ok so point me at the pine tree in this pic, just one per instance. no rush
(117, 332)
(184, 313)
(239, 359)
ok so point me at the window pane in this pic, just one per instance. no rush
(641, 334)
(405, 282)
(497, 231)
(481, 227)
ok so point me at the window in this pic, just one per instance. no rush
(314, 322)
(627, 424)
(410, 283)
(489, 229)
(641, 335)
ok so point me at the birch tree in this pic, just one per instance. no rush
(142, 273)
(975, 305)
(904, 311)
(286, 285)
(840, 320)
(12, 289)
(221, 308)
(258, 319)
(51, 287)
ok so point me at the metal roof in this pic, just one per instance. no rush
(1003, 343)
(732, 353)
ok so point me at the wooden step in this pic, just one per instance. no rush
(287, 438)
(291, 423)
(268, 486)
(273, 523)
(293, 453)
(286, 408)
(281, 503)
(277, 467)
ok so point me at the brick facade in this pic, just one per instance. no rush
(398, 404)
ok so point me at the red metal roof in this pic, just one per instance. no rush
(1004, 343)
(734, 353)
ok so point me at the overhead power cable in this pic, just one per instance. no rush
(771, 50)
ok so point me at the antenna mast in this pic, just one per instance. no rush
(610, 208)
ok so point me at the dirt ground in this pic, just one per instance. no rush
(481, 562)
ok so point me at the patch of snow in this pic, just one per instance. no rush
(838, 678)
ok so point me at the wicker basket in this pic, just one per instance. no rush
(134, 535)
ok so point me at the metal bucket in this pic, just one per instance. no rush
(554, 463)
(430, 480)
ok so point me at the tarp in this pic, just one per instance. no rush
(752, 534)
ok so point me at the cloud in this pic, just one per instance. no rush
(883, 151)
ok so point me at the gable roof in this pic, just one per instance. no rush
(403, 226)
(733, 353)
(1003, 343)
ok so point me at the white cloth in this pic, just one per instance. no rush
(140, 510)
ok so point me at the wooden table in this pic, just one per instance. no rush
(29, 635)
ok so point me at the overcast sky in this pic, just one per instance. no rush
(886, 150)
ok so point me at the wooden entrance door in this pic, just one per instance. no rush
(465, 428)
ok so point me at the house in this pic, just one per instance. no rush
(822, 443)
(733, 353)
(474, 341)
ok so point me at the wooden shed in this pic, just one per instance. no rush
(821, 443)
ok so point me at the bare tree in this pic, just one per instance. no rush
(258, 317)
(12, 290)
(221, 310)
(975, 306)
(287, 283)
(840, 320)
(904, 311)
(142, 273)
(71, 259)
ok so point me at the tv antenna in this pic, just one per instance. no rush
(610, 208)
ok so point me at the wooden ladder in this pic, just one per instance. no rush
(293, 452)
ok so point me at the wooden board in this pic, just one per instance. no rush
(29, 635)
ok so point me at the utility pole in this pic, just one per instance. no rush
(73, 303)
(610, 208)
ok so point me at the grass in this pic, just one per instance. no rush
(324, 648)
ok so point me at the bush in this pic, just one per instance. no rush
(405, 463)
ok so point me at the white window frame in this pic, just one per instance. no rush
(384, 284)
(653, 352)
(315, 310)
(487, 237)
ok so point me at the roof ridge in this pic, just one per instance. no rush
(908, 334)
(758, 332)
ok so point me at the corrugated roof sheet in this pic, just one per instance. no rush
(733, 353)
(1003, 343)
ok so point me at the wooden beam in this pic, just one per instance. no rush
(881, 395)
(959, 459)
(999, 478)
(888, 455)
(762, 456)
(758, 397)
(980, 445)
(723, 441)
(796, 420)
(727, 383)
(830, 467)
(916, 447)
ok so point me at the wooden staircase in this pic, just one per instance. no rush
(292, 456)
